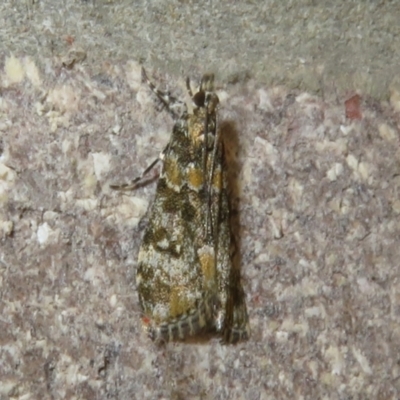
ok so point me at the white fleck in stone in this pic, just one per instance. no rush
(282, 336)
(14, 70)
(337, 147)
(387, 133)
(334, 172)
(90, 182)
(223, 96)
(365, 286)
(6, 228)
(352, 162)
(116, 129)
(63, 98)
(99, 94)
(39, 108)
(87, 204)
(313, 366)
(4, 125)
(362, 360)
(264, 102)
(346, 129)
(101, 163)
(308, 287)
(143, 97)
(32, 72)
(335, 359)
(262, 258)
(395, 99)
(304, 98)
(50, 215)
(131, 207)
(94, 275)
(247, 172)
(72, 375)
(363, 169)
(396, 206)
(43, 233)
(113, 300)
(296, 189)
(7, 386)
(134, 74)
(270, 151)
(276, 228)
(313, 312)
(6, 174)
(66, 145)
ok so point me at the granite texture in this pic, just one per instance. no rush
(316, 185)
(302, 44)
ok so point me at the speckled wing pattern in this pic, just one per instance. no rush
(186, 282)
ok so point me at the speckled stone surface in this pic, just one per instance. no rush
(318, 200)
(301, 44)
(319, 209)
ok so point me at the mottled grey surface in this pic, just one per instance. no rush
(318, 195)
(302, 44)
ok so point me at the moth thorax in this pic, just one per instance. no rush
(210, 137)
(211, 102)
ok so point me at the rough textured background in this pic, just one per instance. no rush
(303, 44)
(318, 195)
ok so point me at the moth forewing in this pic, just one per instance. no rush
(185, 277)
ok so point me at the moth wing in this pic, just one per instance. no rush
(232, 320)
(169, 276)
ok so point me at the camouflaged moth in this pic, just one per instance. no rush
(185, 277)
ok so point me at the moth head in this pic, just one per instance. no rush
(205, 97)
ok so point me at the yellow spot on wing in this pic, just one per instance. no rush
(178, 302)
(195, 177)
(207, 264)
(172, 172)
(217, 179)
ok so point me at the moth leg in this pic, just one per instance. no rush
(139, 179)
(173, 105)
(133, 184)
(189, 89)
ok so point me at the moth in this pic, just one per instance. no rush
(186, 280)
